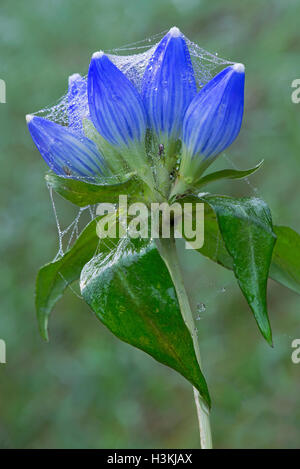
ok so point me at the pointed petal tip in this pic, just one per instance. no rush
(240, 68)
(29, 118)
(98, 54)
(169, 85)
(175, 32)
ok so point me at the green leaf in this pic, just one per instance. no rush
(241, 237)
(285, 267)
(83, 193)
(246, 228)
(226, 174)
(54, 278)
(132, 294)
(214, 247)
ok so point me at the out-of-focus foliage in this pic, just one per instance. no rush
(86, 388)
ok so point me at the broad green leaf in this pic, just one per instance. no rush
(226, 174)
(247, 231)
(82, 193)
(285, 265)
(247, 235)
(54, 278)
(131, 292)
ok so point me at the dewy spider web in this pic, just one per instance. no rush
(132, 60)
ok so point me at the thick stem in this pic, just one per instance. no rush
(167, 249)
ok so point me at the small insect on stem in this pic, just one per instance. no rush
(67, 171)
(161, 149)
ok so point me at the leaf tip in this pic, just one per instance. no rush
(267, 334)
(43, 329)
(270, 342)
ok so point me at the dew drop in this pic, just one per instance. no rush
(201, 308)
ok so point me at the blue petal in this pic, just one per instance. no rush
(65, 153)
(213, 119)
(169, 84)
(77, 102)
(116, 108)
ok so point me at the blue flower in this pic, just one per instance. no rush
(64, 152)
(116, 107)
(168, 86)
(212, 121)
(168, 109)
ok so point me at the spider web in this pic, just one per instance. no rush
(132, 60)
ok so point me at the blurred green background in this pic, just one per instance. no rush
(86, 389)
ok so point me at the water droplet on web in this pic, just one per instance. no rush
(201, 308)
(203, 194)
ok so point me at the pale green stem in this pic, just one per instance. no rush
(167, 249)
